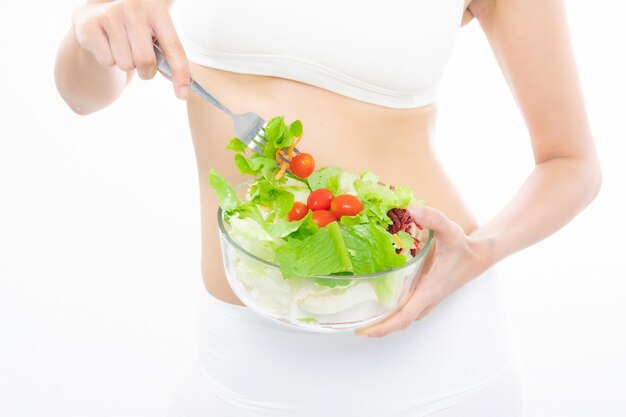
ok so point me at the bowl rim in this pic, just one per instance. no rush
(224, 233)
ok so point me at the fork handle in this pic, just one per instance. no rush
(165, 69)
(197, 88)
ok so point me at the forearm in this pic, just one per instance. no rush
(84, 84)
(554, 193)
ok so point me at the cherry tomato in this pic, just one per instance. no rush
(298, 211)
(319, 199)
(302, 165)
(345, 205)
(323, 217)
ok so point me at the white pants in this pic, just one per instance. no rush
(461, 360)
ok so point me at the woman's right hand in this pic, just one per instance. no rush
(121, 33)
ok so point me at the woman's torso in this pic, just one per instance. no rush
(457, 351)
(396, 144)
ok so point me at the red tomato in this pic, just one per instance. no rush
(323, 217)
(298, 211)
(345, 205)
(319, 199)
(302, 165)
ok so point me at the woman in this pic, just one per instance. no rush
(358, 75)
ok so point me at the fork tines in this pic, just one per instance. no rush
(257, 143)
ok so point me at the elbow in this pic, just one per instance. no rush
(595, 178)
(583, 173)
(78, 109)
(590, 177)
(70, 97)
(83, 103)
(81, 97)
(78, 103)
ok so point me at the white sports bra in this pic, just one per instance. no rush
(389, 53)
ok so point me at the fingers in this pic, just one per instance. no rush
(174, 52)
(92, 37)
(430, 218)
(98, 43)
(120, 46)
(425, 312)
(121, 33)
(420, 301)
(142, 51)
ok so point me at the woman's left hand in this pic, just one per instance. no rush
(453, 260)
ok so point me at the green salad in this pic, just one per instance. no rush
(315, 222)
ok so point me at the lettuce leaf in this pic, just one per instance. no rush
(371, 248)
(297, 187)
(298, 229)
(249, 234)
(337, 249)
(230, 202)
(387, 287)
(332, 282)
(225, 193)
(327, 177)
(322, 253)
(307, 319)
(352, 220)
(265, 286)
(236, 145)
(407, 242)
(255, 165)
(346, 182)
(378, 199)
(275, 129)
(280, 135)
(267, 193)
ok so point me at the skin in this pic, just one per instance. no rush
(538, 65)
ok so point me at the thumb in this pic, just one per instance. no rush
(430, 218)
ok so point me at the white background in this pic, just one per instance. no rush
(100, 233)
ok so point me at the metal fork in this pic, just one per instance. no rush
(249, 127)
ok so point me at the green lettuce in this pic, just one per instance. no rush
(346, 182)
(297, 229)
(226, 194)
(236, 145)
(278, 135)
(322, 253)
(387, 287)
(297, 187)
(251, 236)
(338, 249)
(325, 178)
(230, 202)
(407, 242)
(256, 165)
(307, 319)
(378, 199)
(267, 193)
(371, 249)
(353, 220)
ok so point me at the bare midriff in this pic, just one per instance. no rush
(395, 144)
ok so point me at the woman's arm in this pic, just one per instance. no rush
(530, 41)
(107, 41)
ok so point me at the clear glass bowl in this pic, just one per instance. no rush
(303, 303)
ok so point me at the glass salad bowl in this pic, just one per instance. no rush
(344, 302)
